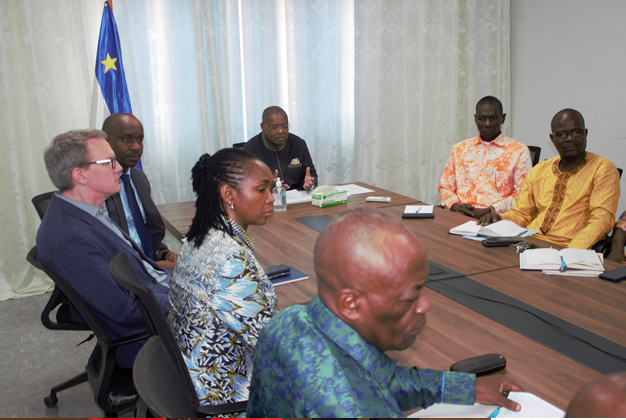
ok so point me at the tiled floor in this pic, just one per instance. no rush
(33, 359)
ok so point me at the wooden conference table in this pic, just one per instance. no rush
(454, 332)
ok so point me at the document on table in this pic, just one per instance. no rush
(353, 189)
(295, 196)
(436, 411)
(532, 407)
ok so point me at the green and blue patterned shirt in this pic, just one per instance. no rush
(309, 363)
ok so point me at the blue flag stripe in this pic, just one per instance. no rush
(112, 81)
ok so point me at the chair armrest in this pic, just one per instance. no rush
(128, 340)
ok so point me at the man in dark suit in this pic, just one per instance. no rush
(133, 202)
(78, 239)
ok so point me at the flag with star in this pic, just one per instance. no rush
(110, 93)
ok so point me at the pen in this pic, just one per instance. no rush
(418, 210)
(495, 413)
(563, 266)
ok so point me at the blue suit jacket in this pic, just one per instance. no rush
(79, 248)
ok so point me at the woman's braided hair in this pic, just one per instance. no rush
(227, 166)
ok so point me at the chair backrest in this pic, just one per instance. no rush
(41, 203)
(102, 363)
(535, 152)
(158, 382)
(157, 325)
(155, 320)
(239, 145)
(81, 307)
(620, 171)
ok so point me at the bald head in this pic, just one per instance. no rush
(371, 271)
(565, 113)
(272, 110)
(604, 397)
(125, 133)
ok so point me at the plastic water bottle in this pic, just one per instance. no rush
(280, 196)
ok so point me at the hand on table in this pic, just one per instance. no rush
(488, 219)
(466, 209)
(616, 255)
(308, 180)
(478, 213)
(492, 390)
(285, 186)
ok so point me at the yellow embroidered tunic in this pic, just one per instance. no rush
(574, 209)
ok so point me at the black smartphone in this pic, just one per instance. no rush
(502, 240)
(616, 275)
(277, 271)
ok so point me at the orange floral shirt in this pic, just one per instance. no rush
(485, 174)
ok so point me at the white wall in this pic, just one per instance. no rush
(570, 54)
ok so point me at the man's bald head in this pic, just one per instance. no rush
(604, 397)
(371, 271)
(567, 112)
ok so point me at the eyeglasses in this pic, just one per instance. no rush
(576, 133)
(112, 160)
(276, 127)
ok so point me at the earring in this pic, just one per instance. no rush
(232, 206)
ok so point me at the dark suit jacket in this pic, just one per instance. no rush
(154, 221)
(79, 248)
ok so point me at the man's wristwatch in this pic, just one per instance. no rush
(492, 209)
(164, 253)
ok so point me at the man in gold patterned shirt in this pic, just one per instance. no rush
(572, 198)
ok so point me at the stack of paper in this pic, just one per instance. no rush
(532, 407)
(566, 262)
(501, 228)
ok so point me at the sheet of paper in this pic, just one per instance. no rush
(295, 196)
(574, 273)
(532, 407)
(353, 189)
(418, 209)
(455, 410)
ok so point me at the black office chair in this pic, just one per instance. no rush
(66, 319)
(620, 171)
(41, 203)
(239, 145)
(535, 152)
(102, 372)
(155, 379)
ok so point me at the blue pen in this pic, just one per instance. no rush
(495, 413)
(418, 210)
(563, 266)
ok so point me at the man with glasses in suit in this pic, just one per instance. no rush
(286, 154)
(572, 198)
(78, 239)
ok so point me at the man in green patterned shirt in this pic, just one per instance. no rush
(328, 360)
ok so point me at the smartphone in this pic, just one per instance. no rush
(277, 271)
(616, 275)
(502, 240)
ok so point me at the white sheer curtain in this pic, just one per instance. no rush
(380, 89)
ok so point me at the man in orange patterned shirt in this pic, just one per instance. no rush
(572, 198)
(486, 173)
